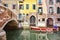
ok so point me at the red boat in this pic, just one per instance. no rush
(43, 29)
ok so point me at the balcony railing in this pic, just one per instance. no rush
(54, 15)
(21, 1)
(39, 3)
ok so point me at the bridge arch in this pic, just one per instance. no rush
(10, 24)
(9, 21)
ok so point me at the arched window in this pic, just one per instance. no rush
(32, 20)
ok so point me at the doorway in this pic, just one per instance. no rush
(32, 21)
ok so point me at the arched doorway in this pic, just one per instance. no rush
(49, 22)
(32, 21)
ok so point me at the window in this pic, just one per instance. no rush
(43, 19)
(40, 10)
(43, 37)
(19, 15)
(57, 0)
(23, 15)
(39, 1)
(0, 1)
(26, 14)
(21, 1)
(50, 2)
(6, 5)
(27, 6)
(51, 10)
(39, 20)
(34, 6)
(39, 36)
(21, 7)
(14, 6)
(58, 19)
(58, 10)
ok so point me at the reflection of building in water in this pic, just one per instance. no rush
(38, 36)
(42, 13)
(42, 36)
(25, 34)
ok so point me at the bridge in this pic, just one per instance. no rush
(8, 20)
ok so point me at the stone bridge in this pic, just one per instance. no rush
(8, 20)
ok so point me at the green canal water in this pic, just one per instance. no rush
(31, 35)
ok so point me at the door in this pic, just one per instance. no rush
(32, 21)
(49, 22)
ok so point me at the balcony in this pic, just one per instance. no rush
(58, 4)
(40, 13)
(57, 1)
(54, 15)
(21, 1)
(42, 16)
(39, 3)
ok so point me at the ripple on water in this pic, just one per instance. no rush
(28, 35)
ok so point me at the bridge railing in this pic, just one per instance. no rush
(11, 14)
(6, 15)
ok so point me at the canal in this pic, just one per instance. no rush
(31, 35)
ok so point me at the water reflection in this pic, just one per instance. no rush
(25, 34)
(42, 36)
(29, 35)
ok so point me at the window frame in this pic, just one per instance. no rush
(58, 19)
(14, 6)
(34, 6)
(19, 15)
(6, 5)
(57, 1)
(43, 19)
(58, 10)
(51, 10)
(51, 2)
(41, 9)
(21, 7)
(27, 6)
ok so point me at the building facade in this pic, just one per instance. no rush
(41, 13)
(12, 5)
(53, 13)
